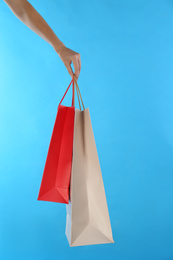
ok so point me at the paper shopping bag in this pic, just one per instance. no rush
(87, 219)
(56, 176)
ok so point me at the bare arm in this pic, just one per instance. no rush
(25, 12)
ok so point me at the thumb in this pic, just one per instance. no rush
(70, 71)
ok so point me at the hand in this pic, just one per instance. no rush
(68, 56)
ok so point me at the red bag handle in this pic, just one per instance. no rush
(72, 93)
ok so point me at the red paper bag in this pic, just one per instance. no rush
(56, 176)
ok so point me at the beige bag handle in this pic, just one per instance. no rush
(78, 94)
(78, 98)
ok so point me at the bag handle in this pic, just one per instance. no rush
(73, 93)
(78, 94)
(78, 98)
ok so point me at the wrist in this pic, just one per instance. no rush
(57, 45)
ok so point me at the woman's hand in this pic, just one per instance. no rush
(68, 56)
(29, 16)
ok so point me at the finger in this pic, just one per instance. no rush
(79, 65)
(79, 60)
(70, 71)
(76, 67)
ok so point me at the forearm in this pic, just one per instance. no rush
(30, 17)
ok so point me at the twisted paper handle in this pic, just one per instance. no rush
(78, 94)
(73, 93)
(78, 97)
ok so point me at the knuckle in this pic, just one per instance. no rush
(77, 55)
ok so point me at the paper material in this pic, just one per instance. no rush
(87, 219)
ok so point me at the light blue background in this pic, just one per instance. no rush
(126, 81)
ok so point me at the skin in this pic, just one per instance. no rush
(25, 12)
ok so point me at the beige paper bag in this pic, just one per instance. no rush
(87, 220)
